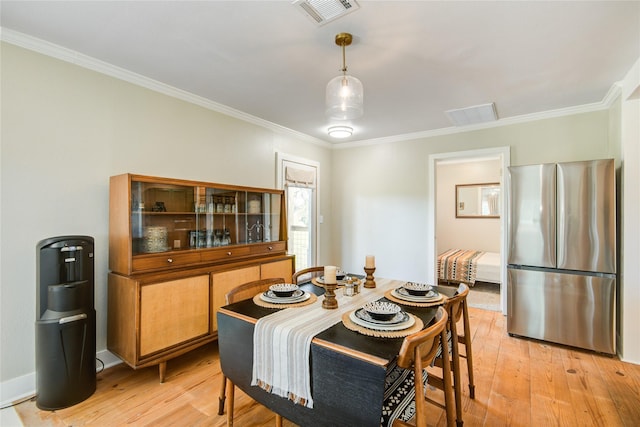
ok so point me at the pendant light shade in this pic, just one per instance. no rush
(344, 98)
(344, 95)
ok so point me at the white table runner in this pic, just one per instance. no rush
(282, 342)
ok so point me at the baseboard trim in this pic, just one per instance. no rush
(109, 359)
(23, 387)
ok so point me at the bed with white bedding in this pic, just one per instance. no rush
(488, 267)
(469, 266)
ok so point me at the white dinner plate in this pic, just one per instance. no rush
(298, 296)
(378, 327)
(402, 293)
(338, 281)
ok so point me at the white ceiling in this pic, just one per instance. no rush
(416, 59)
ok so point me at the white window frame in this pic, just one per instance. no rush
(281, 158)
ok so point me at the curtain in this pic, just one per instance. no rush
(300, 177)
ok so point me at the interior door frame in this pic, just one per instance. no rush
(502, 153)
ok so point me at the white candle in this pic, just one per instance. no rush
(330, 274)
(370, 262)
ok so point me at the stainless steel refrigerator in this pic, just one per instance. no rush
(562, 254)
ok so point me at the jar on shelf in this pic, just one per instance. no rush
(227, 205)
(253, 205)
(155, 239)
(219, 205)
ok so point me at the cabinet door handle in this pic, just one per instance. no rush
(169, 260)
(270, 248)
(229, 253)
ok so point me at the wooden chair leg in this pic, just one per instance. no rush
(455, 368)
(222, 399)
(222, 396)
(467, 349)
(449, 399)
(472, 387)
(230, 399)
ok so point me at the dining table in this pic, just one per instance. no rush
(347, 368)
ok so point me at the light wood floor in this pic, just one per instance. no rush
(519, 382)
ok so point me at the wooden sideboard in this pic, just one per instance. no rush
(171, 268)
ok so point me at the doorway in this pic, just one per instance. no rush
(502, 155)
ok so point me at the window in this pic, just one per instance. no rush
(298, 177)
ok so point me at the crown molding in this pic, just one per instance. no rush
(631, 83)
(50, 49)
(614, 92)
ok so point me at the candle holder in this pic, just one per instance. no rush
(329, 302)
(369, 283)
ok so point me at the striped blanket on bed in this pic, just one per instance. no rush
(458, 265)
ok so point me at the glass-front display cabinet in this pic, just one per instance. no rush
(167, 223)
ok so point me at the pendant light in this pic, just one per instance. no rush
(344, 93)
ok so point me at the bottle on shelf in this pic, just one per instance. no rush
(217, 241)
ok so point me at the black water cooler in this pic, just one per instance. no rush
(65, 322)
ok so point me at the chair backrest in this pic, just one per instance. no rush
(250, 289)
(455, 304)
(307, 274)
(419, 351)
(422, 347)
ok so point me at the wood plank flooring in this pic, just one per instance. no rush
(519, 382)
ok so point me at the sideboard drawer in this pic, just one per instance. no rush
(270, 248)
(168, 260)
(226, 252)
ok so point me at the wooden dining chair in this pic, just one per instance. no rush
(240, 293)
(406, 381)
(307, 274)
(454, 307)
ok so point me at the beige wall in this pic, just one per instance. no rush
(65, 130)
(482, 234)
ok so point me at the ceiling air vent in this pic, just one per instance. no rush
(323, 11)
(473, 115)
